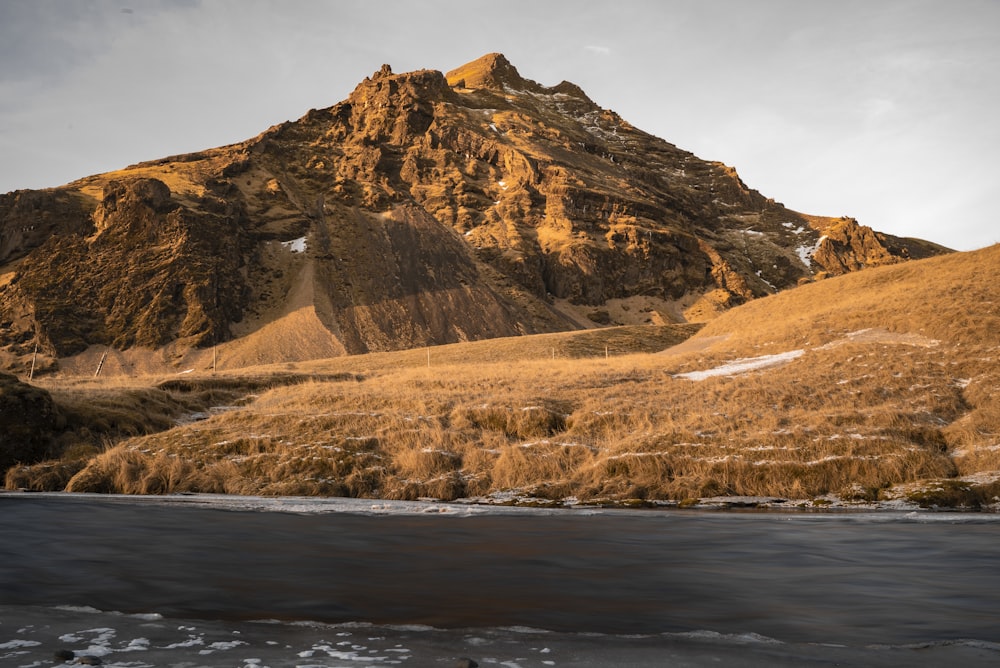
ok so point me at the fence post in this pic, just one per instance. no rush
(100, 365)
(34, 355)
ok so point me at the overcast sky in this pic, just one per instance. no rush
(882, 110)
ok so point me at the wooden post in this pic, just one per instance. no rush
(215, 359)
(605, 352)
(428, 358)
(34, 355)
(101, 363)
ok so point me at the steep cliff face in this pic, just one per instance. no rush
(29, 217)
(426, 208)
(151, 272)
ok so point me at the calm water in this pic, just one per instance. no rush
(850, 578)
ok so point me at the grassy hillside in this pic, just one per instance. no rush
(873, 385)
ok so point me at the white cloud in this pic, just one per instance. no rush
(600, 50)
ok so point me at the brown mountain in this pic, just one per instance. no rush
(424, 209)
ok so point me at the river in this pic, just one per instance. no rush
(879, 582)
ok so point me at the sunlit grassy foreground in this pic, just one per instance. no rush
(865, 384)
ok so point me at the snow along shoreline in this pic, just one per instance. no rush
(887, 510)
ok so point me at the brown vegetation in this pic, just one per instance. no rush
(896, 384)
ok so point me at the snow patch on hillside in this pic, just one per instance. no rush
(806, 252)
(295, 245)
(743, 365)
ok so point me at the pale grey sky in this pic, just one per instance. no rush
(881, 110)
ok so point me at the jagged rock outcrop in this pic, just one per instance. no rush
(426, 208)
(28, 420)
(847, 246)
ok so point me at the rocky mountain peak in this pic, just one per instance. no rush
(424, 209)
(490, 71)
(422, 84)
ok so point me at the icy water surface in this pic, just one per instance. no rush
(431, 582)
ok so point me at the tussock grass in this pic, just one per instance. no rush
(96, 414)
(911, 398)
(595, 429)
(118, 412)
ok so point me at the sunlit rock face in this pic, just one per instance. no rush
(426, 208)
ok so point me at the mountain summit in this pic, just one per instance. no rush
(491, 71)
(424, 209)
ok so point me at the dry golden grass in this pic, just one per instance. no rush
(595, 429)
(913, 398)
(951, 298)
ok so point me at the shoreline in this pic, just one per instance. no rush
(474, 506)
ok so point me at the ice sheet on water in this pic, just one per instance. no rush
(278, 644)
(299, 505)
(468, 508)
